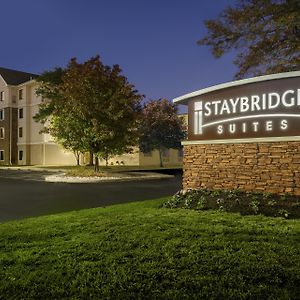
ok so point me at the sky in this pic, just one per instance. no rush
(153, 41)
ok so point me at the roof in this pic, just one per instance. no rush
(184, 99)
(13, 77)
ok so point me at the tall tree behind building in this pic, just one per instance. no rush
(264, 33)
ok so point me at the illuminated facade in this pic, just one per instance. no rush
(21, 140)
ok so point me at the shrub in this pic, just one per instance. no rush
(245, 203)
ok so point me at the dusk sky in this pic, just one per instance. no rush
(154, 42)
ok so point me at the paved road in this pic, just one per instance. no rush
(25, 194)
(31, 175)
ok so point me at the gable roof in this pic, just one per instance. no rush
(13, 77)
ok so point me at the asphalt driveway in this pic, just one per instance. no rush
(26, 194)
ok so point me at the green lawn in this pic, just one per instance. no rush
(141, 251)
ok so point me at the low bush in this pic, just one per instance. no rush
(246, 203)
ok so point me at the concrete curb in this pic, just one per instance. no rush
(137, 176)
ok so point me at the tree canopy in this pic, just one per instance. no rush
(91, 107)
(160, 127)
(265, 34)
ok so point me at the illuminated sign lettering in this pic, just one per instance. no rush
(261, 109)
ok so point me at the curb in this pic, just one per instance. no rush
(61, 178)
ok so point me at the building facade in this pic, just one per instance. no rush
(23, 143)
(21, 140)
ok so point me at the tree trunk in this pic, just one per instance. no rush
(77, 157)
(91, 159)
(96, 167)
(160, 158)
(106, 157)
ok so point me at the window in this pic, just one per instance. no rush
(20, 132)
(1, 132)
(1, 155)
(148, 154)
(21, 155)
(21, 113)
(1, 114)
(20, 94)
(1, 95)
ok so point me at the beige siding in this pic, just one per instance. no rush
(172, 159)
(129, 159)
(56, 155)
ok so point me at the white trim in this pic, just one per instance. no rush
(24, 84)
(243, 141)
(183, 99)
(3, 80)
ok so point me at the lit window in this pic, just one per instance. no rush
(1, 132)
(21, 155)
(20, 94)
(21, 113)
(1, 155)
(1, 114)
(20, 132)
(1, 95)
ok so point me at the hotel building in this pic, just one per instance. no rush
(21, 140)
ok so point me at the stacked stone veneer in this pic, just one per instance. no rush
(269, 167)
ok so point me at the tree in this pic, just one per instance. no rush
(265, 34)
(160, 127)
(93, 107)
(69, 134)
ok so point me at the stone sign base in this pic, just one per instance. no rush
(272, 167)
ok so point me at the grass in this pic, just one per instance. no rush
(88, 171)
(115, 168)
(142, 251)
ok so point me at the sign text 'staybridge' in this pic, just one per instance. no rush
(262, 109)
(254, 103)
